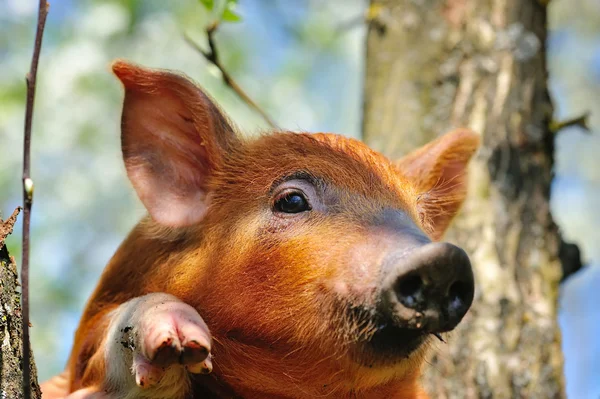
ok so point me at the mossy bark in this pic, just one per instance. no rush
(11, 342)
(434, 65)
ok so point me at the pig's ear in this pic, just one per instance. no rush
(438, 171)
(173, 138)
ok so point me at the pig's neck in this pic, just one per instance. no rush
(207, 387)
(273, 376)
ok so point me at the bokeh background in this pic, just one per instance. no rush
(302, 61)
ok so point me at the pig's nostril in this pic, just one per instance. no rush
(458, 295)
(410, 291)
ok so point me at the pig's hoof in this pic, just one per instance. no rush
(170, 335)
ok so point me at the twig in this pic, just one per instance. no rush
(30, 78)
(580, 121)
(212, 56)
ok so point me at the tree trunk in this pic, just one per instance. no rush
(433, 65)
(11, 353)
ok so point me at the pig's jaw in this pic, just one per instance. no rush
(389, 345)
(385, 362)
(376, 339)
(308, 375)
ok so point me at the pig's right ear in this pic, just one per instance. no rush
(173, 138)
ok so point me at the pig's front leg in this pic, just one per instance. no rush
(152, 343)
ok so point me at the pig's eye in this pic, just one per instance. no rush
(292, 202)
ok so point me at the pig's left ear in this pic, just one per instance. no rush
(174, 139)
(438, 171)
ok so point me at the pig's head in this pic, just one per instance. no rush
(314, 260)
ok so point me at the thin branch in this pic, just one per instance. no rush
(580, 121)
(30, 78)
(212, 56)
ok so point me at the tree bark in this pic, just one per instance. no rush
(434, 65)
(11, 335)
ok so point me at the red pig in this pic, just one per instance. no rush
(314, 260)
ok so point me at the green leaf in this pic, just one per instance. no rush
(209, 4)
(229, 14)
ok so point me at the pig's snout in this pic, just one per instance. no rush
(429, 289)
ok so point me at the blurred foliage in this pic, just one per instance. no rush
(225, 10)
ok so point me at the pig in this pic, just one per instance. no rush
(291, 265)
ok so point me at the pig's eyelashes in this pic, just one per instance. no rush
(291, 202)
